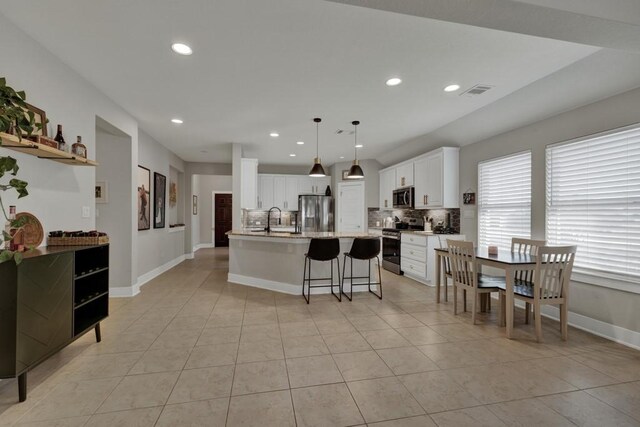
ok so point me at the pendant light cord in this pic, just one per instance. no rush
(355, 145)
(317, 138)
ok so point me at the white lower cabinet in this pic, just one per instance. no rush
(417, 256)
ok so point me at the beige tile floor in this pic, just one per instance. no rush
(193, 350)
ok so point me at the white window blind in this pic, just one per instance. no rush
(593, 201)
(504, 200)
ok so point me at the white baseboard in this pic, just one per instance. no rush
(124, 291)
(602, 329)
(286, 288)
(199, 246)
(131, 291)
(190, 255)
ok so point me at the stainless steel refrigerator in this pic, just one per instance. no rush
(315, 212)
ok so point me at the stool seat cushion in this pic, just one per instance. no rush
(323, 249)
(365, 248)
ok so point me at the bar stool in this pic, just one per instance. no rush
(322, 250)
(365, 249)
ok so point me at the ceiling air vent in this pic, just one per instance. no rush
(476, 90)
(341, 131)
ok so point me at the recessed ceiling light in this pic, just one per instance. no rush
(274, 134)
(300, 142)
(342, 157)
(394, 81)
(292, 155)
(177, 121)
(359, 146)
(452, 88)
(181, 49)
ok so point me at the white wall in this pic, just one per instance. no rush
(113, 217)
(57, 191)
(370, 167)
(607, 305)
(157, 247)
(208, 184)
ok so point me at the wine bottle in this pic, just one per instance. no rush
(8, 229)
(62, 145)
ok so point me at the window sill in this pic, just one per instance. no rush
(606, 282)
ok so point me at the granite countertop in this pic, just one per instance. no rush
(305, 235)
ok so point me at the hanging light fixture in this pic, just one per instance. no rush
(317, 170)
(355, 172)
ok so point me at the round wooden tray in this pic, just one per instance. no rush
(32, 233)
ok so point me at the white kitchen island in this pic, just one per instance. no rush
(275, 261)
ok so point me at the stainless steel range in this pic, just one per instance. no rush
(391, 250)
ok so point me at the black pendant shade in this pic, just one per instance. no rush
(355, 172)
(317, 170)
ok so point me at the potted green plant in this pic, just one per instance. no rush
(14, 118)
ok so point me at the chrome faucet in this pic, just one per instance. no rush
(268, 229)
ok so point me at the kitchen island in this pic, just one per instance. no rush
(275, 260)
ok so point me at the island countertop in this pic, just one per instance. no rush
(304, 235)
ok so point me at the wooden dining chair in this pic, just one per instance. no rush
(551, 279)
(525, 277)
(466, 276)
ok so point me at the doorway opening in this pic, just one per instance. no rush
(222, 217)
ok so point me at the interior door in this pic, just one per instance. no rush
(222, 219)
(351, 207)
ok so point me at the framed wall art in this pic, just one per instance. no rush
(144, 196)
(159, 202)
(102, 192)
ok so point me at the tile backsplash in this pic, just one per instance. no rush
(254, 218)
(377, 216)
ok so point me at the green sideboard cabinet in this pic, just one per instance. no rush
(53, 297)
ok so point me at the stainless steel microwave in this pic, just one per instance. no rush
(404, 198)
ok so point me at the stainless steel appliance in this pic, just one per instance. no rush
(404, 198)
(391, 250)
(315, 213)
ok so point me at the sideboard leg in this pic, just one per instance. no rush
(98, 334)
(22, 387)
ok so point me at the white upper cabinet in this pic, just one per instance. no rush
(291, 193)
(249, 183)
(387, 185)
(436, 179)
(282, 190)
(404, 175)
(265, 194)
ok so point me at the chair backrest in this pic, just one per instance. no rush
(527, 247)
(551, 277)
(462, 257)
(324, 249)
(365, 247)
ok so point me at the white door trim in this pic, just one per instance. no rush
(213, 214)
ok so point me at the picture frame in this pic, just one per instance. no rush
(469, 198)
(40, 118)
(345, 174)
(144, 198)
(159, 199)
(102, 192)
(195, 205)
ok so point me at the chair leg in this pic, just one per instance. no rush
(351, 299)
(488, 302)
(379, 294)
(464, 299)
(455, 299)
(379, 276)
(564, 320)
(503, 308)
(474, 307)
(339, 279)
(538, 321)
(339, 296)
(304, 279)
(527, 310)
(446, 291)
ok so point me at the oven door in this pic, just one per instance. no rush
(391, 253)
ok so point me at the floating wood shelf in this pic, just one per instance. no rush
(42, 151)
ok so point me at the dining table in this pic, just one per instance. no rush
(505, 260)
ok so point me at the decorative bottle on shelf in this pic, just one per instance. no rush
(8, 229)
(62, 145)
(327, 192)
(79, 148)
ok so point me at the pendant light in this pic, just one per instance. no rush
(317, 170)
(355, 172)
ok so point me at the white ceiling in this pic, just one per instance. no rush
(260, 66)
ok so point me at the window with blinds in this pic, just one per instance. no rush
(593, 201)
(504, 200)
